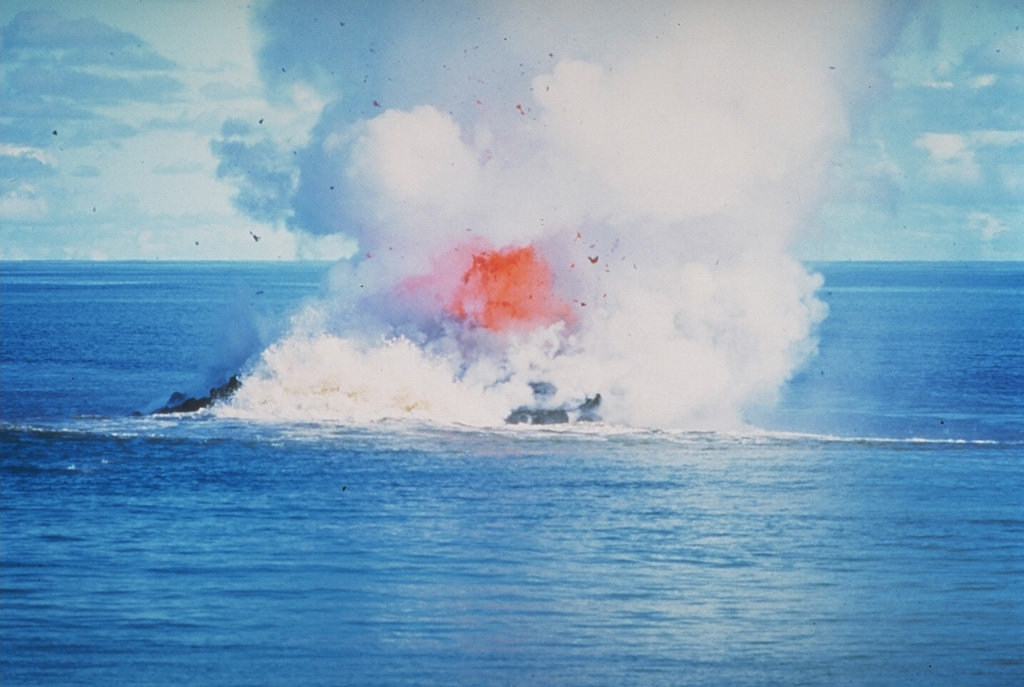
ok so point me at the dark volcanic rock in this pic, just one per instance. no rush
(539, 415)
(179, 403)
(588, 409)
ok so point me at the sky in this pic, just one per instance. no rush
(195, 129)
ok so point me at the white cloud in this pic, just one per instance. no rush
(24, 204)
(950, 157)
(983, 81)
(943, 147)
(986, 225)
(30, 152)
(953, 157)
(121, 163)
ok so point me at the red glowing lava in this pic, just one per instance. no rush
(508, 289)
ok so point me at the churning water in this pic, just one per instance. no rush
(867, 529)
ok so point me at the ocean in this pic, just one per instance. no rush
(866, 529)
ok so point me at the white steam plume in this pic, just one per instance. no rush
(660, 159)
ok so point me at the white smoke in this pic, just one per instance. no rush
(661, 159)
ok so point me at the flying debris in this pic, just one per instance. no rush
(452, 325)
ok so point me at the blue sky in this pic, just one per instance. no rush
(183, 129)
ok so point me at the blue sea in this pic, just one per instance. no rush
(866, 530)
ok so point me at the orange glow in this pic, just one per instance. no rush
(508, 289)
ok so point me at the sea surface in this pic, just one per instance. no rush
(868, 530)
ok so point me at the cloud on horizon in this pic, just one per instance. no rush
(929, 75)
(106, 137)
(66, 75)
(945, 144)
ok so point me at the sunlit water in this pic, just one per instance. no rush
(871, 533)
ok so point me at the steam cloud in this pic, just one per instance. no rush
(622, 183)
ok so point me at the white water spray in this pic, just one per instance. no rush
(609, 214)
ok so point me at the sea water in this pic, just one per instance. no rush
(868, 529)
